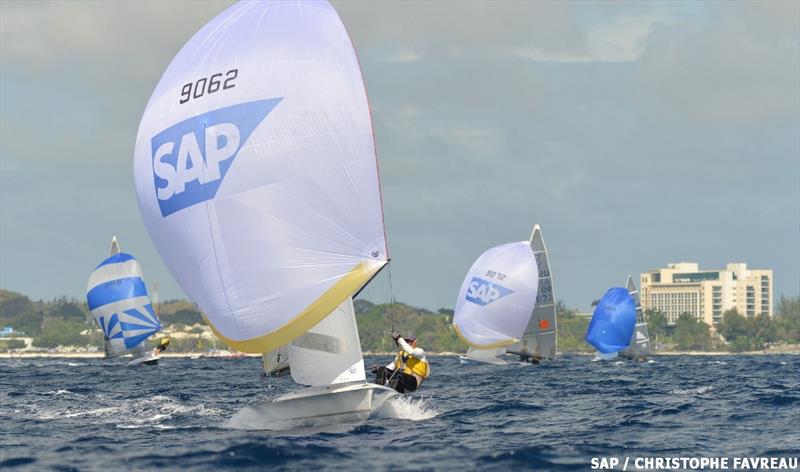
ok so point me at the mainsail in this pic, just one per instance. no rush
(330, 352)
(639, 346)
(118, 300)
(612, 322)
(257, 177)
(496, 298)
(539, 339)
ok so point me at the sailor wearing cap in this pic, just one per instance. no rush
(409, 368)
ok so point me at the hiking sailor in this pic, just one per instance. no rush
(409, 368)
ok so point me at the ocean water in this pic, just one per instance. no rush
(90, 414)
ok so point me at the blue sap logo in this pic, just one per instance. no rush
(191, 158)
(482, 292)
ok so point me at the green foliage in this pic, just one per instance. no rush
(656, 323)
(6, 344)
(748, 334)
(179, 311)
(572, 331)
(787, 319)
(434, 331)
(60, 332)
(692, 334)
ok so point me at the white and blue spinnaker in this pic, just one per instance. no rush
(496, 299)
(117, 297)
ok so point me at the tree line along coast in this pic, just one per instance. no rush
(65, 324)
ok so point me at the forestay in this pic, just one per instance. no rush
(496, 298)
(117, 297)
(256, 172)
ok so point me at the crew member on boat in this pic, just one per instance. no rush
(409, 368)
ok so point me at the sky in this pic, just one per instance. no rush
(634, 133)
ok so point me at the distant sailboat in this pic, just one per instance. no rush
(639, 346)
(257, 179)
(117, 297)
(539, 339)
(612, 325)
(497, 301)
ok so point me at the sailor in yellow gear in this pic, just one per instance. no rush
(409, 368)
(162, 346)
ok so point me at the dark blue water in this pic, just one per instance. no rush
(62, 414)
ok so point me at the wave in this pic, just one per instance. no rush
(692, 391)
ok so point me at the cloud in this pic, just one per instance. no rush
(622, 39)
(744, 67)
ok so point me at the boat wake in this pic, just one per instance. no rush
(407, 408)
(152, 411)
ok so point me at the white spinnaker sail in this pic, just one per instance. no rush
(639, 346)
(539, 339)
(256, 172)
(495, 300)
(330, 352)
(117, 298)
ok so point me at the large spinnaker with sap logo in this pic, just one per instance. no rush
(118, 300)
(612, 322)
(497, 296)
(256, 172)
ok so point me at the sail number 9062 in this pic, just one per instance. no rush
(209, 85)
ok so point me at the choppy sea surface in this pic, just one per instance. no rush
(92, 414)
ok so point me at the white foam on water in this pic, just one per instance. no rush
(60, 414)
(59, 392)
(135, 412)
(717, 362)
(407, 408)
(692, 391)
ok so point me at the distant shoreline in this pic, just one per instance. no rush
(100, 355)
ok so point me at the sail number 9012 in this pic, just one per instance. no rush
(209, 85)
(495, 275)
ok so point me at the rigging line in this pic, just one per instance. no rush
(391, 303)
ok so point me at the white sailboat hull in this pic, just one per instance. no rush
(484, 356)
(472, 360)
(315, 406)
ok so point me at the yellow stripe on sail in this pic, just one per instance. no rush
(484, 346)
(306, 319)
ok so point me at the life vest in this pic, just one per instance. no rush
(412, 364)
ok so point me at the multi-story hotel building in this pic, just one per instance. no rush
(683, 288)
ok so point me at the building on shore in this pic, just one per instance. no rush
(706, 294)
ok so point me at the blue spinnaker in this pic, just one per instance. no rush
(613, 321)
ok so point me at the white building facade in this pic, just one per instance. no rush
(706, 294)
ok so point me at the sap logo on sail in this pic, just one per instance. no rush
(191, 158)
(483, 292)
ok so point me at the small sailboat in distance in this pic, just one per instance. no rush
(612, 324)
(118, 300)
(639, 346)
(496, 300)
(257, 179)
(539, 341)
